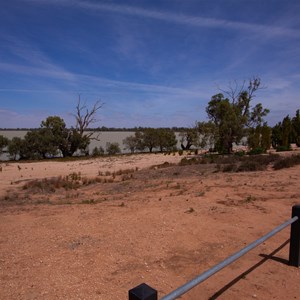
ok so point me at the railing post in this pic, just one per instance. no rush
(294, 257)
(142, 292)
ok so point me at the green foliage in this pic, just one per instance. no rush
(49, 140)
(98, 151)
(296, 129)
(16, 148)
(230, 128)
(134, 143)
(286, 131)
(207, 133)
(283, 133)
(266, 133)
(276, 135)
(259, 139)
(188, 138)
(283, 148)
(113, 148)
(130, 143)
(166, 139)
(239, 153)
(256, 151)
(233, 115)
(38, 144)
(3, 143)
(150, 138)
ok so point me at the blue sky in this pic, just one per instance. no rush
(153, 63)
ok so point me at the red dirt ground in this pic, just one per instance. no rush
(162, 226)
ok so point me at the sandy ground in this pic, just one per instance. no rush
(162, 226)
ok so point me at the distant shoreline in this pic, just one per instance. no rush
(104, 129)
(105, 137)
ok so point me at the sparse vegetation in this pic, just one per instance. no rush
(249, 199)
(113, 148)
(190, 161)
(233, 163)
(287, 162)
(50, 185)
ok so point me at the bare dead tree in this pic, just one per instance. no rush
(235, 90)
(85, 116)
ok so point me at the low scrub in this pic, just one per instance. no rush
(251, 166)
(190, 161)
(287, 162)
(249, 163)
(50, 185)
(161, 166)
(234, 163)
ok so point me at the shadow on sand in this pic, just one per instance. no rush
(244, 274)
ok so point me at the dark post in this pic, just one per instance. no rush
(294, 258)
(142, 292)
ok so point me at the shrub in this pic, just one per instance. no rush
(74, 176)
(98, 151)
(265, 159)
(240, 153)
(189, 161)
(224, 159)
(251, 166)
(113, 148)
(50, 185)
(246, 163)
(230, 168)
(287, 162)
(257, 151)
(283, 148)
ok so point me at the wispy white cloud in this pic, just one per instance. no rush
(196, 21)
(85, 81)
(35, 62)
(36, 71)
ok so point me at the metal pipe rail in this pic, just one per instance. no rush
(189, 285)
(144, 292)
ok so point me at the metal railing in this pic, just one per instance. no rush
(145, 292)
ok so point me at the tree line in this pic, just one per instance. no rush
(232, 119)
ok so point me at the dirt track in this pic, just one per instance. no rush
(162, 226)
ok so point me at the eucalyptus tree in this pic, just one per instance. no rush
(189, 137)
(3, 143)
(296, 128)
(284, 133)
(134, 142)
(166, 139)
(260, 137)
(233, 114)
(150, 138)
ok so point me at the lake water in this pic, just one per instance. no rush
(104, 138)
